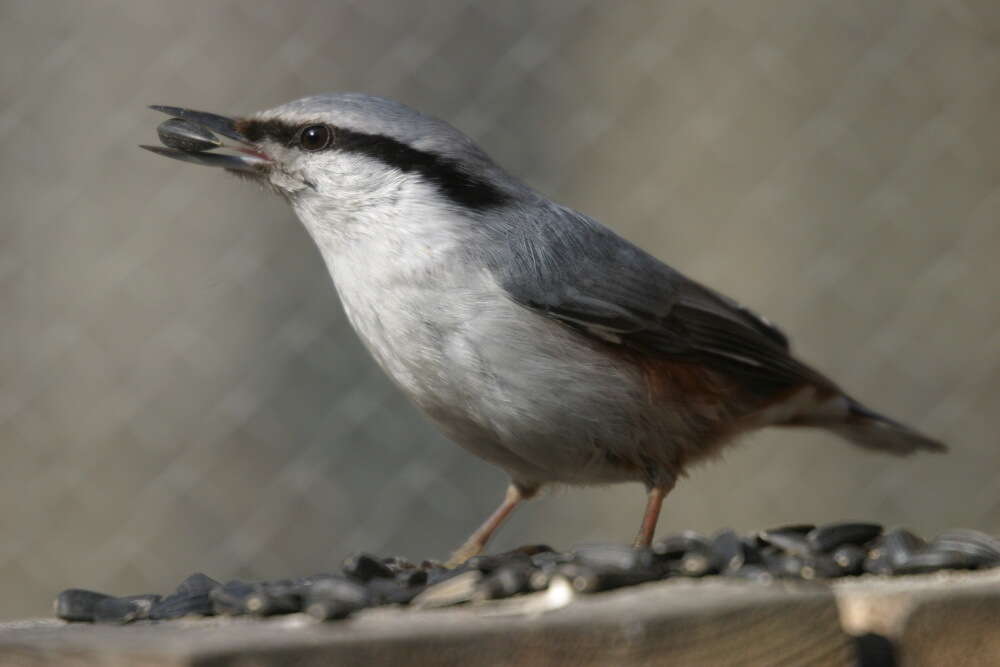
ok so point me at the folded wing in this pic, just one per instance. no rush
(573, 269)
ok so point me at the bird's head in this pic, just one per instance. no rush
(344, 155)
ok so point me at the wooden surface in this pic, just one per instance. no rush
(949, 619)
(680, 623)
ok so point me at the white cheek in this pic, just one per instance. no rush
(286, 181)
(362, 211)
(289, 174)
(356, 183)
(341, 182)
(347, 190)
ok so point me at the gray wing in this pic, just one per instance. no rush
(573, 269)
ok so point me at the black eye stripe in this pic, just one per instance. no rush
(259, 130)
(450, 178)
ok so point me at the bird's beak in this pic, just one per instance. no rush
(190, 136)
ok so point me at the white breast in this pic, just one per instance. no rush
(513, 387)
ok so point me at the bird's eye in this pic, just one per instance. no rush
(315, 137)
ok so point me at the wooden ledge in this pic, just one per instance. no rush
(944, 618)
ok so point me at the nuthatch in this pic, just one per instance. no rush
(532, 335)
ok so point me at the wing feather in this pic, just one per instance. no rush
(571, 268)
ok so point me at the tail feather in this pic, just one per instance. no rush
(868, 429)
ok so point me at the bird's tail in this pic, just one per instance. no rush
(868, 429)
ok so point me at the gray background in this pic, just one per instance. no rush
(179, 390)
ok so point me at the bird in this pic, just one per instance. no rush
(531, 334)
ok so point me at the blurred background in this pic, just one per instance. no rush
(180, 391)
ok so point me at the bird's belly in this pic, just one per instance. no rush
(513, 387)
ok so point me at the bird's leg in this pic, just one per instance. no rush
(474, 545)
(654, 502)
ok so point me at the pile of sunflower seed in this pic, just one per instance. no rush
(790, 552)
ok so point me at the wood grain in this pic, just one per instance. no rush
(664, 623)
